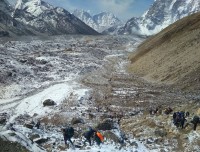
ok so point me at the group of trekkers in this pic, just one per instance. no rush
(179, 118)
(68, 133)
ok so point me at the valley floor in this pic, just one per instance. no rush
(87, 78)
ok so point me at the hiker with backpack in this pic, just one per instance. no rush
(98, 137)
(195, 121)
(88, 135)
(68, 133)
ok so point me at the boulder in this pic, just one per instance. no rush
(106, 124)
(29, 125)
(34, 136)
(160, 132)
(3, 117)
(76, 121)
(48, 102)
(112, 136)
(41, 140)
(2, 120)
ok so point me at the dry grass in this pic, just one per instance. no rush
(172, 56)
(56, 119)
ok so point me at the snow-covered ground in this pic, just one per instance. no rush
(37, 70)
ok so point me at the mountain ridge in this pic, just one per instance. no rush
(161, 14)
(100, 22)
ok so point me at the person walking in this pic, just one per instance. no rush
(68, 133)
(88, 135)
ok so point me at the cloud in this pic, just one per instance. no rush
(116, 6)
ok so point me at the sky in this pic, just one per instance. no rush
(123, 9)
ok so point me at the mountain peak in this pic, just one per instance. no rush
(34, 7)
(48, 19)
(160, 15)
(100, 21)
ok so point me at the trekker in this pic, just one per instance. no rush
(98, 137)
(37, 125)
(68, 133)
(88, 135)
(195, 121)
(182, 121)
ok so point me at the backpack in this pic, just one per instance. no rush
(196, 119)
(100, 136)
(69, 131)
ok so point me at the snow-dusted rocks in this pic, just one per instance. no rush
(47, 19)
(99, 22)
(161, 14)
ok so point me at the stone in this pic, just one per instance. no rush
(110, 135)
(3, 117)
(107, 124)
(28, 125)
(34, 136)
(48, 102)
(76, 121)
(160, 132)
(41, 140)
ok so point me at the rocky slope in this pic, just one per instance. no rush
(99, 22)
(172, 56)
(86, 78)
(48, 19)
(161, 14)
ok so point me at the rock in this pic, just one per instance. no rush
(2, 120)
(28, 125)
(150, 141)
(110, 135)
(134, 144)
(198, 112)
(35, 136)
(77, 121)
(160, 132)
(107, 124)
(4, 34)
(49, 102)
(41, 140)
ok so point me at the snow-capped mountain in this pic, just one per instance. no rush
(9, 26)
(161, 14)
(99, 22)
(48, 19)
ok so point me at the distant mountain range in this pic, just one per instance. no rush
(35, 17)
(160, 15)
(99, 22)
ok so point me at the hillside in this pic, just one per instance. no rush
(172, 56)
